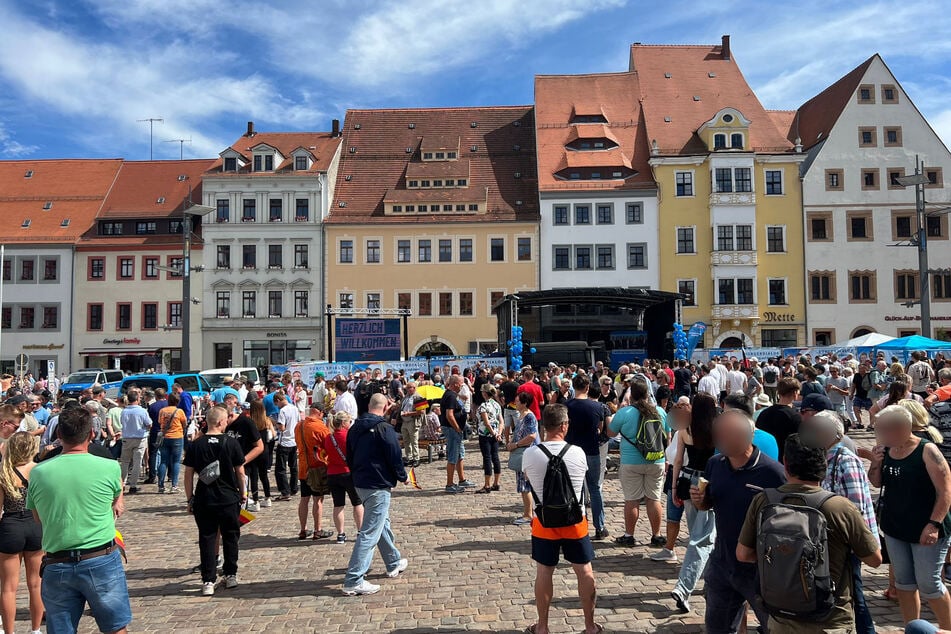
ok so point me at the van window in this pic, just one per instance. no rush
(145, 382)
(252, 375)
(189, 382)
(205, 386)
(114, 376)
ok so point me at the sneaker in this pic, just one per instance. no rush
(664, 555)
(341, 538)
(364, 587)
(521, 520)
(495, 487)
(657, 540)
(231, 581)
(267, 503)
(161, 490)
(284, 498)
(466, 484)
(253, 507)
(625, 540)
(600, 534)
(683, 604)
(174, 490)
(220, 562)
(401, 565)
(453, 488)
(133, 490)
(207, 589)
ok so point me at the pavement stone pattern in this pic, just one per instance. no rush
(469, 571)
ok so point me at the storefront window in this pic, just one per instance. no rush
(778, 337)
(261, 353)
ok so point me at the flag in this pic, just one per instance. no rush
(694, 335)
(120, 542)
(245, 516)
(746, 362)
(421, 405)
(412, 479)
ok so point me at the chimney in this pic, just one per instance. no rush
(335, 128)
(250, 132)
(725, 48)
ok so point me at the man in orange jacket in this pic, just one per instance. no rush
(312, 470)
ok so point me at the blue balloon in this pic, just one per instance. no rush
(532, 350)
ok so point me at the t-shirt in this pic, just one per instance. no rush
(535, 465)
(538, 397)
(270, 409)
(861, 383)
(736, 381)
(201, 453)
(492, 411)
(450, 402)
(626, 422)
(846, 532)
(920, 373)
(766, 443)
(153, 412)
(509, 391)
(346, 403)
(943, 393)
(73, 495)
(837, 398)
(135, 422)
(218, 396)
(681, 380)
(288, 416)
(171, 420)
(245, 432)
(336, 463)
(780, 421)
(585, 417)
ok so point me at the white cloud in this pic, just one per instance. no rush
(10, 148)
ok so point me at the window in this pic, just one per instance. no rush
(223, 304)
(723, 179)
(560, 215)
(27, 272)
(123, 316)
(50, 317)
(637, 256)
(424, 250)
(301, 210)
(866, 94)
(373, 301)
(582, 258)
(149, 316)
(151, 268)
(275, 210)
(744, 179)
(685, 242)
(726, 289)
(889, 94)
(497, 249)
(605, 215)
(94, 313)
(404, 301)
(112, 228)
(249, 257)
(248, 303)
(893, 136)
(301, 256)
(275, 256)
(97, 269)
(821, 287)
(869, 179)
(231, 164)
(445, 250)
(27, 317)
(465, 304)
(524, 249)
(582, 214)
(777, 292)
(301, 300)
(835, 180)
(465, 250)
(935, 177)
(688, 288)
(820, 227)
(779, 337)
(903, 226)
(735, 291)
(635, 213)
(223, 260)
(744, 291)
(867, 137)
(223, 210)
(774, 182)
(176, 226)
(776, 239)
(494, 298)
(346, 301)
(736, 141)
(941, 286)
(373, 251)
(445, 304)
(605, 255)
(734, 237)
(719, 141)
(126, 268)
(684, 183)
(275, 303)
(936, 226)
(143, 228)
(249, 212)
(6, 318)
(300, 163)
(50, 266)
(859, 225)
(862, 287)
(425, 304)
(893, 175)
(906, 285)
(562, 258)
(175, 314)
(177, 265)
(263, 162)
(8, 270)
(346, 251)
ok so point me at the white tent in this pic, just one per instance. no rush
(870, 340)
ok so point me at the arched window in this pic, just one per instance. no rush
(736, 141)
(719, 141)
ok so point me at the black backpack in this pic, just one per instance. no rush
(560, 506)
(770, 376)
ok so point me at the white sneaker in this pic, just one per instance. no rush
(220, 562)
(253, 507)
(267, 503)
(231, 581)
(365, 587)
(207, 589)
(664, 555)
(521, 520)
(401, 565)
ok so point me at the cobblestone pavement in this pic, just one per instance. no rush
(469, 571)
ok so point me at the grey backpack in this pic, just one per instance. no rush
(792, 554)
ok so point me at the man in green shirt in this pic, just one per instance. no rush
(77, 497)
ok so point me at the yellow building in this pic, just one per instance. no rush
(435, 211)
(729, 197)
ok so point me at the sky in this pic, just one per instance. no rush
(76, 76)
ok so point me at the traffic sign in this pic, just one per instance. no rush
(22, 359)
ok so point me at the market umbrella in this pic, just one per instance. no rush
(430, 392)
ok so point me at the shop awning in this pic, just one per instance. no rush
(118, 351)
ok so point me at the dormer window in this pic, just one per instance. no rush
(736, 141)
(427, 156)
(231, 164)
(263, 162)
(719, 141)
(300, 163)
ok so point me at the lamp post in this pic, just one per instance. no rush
(919, 180)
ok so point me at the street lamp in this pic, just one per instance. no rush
(918, 181)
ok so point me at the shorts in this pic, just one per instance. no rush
(639, 481)
(576, 551)
(455, 449)
(322, 487)
(341, 487)
(674, 513)
(20, 533)
(862, 403)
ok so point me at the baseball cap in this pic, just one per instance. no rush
(816, 402)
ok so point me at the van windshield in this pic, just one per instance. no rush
(215, 380)
(82, 377)
(145, 382)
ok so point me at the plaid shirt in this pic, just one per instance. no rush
(845, 476)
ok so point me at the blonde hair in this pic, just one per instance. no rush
(21, 449)
(340, 419)
(921, 419)
(898, 412)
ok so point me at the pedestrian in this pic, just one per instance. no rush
(339, 477)
(489, 421)
(570, 540)
(286, 470)
(114, 425)
(309, 435)
(679, 420)
(373, 455)
(172, 423)
(242, 428)
(411, 420)
(587, 422)
(261, 465)
(21, 536)
(216, 500)
(155, 444)
(453, 421)
(782, 419)
(77, 498)
(135, 423)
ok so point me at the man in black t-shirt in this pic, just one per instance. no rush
(782, 419)
(452, 418)
(681, 380)
(587, 419)
(242, 428)
(509, 390)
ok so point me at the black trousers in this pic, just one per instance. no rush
(286, 470)
(490, 455)
(211, 520)
(257, 471)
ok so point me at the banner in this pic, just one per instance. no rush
(760, 354)
(408, 367)
(469, 361)
(367, 340)
(695, 336)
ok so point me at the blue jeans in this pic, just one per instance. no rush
(374, 533)
(171, 452)
(703, 532)
(455, 450)
(919, 626)
(918, 567)
(100, 581)
(593, 481)
(863, 618)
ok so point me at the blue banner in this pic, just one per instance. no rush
(367, 340)
(694, 336)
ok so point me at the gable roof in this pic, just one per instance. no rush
(816, 118)
(321, 145)
(702, 81)
(141, 184)
(375, 170)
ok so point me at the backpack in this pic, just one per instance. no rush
(651, 439)
(792, 553)
(559, 506)
(770, 376)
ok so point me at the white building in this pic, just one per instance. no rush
(860, 134)
(263, 292)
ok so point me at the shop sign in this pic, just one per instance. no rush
(127, 341)
(774, 317)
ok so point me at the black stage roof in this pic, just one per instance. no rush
(617, 296)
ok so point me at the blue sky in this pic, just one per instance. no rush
(77, 74)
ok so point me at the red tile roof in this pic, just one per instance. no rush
(141, 184)
(321, 145)
(75, 187)
(376, 167)
(701, 83)
(817, 116)
(558, 98)
(784, 120)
